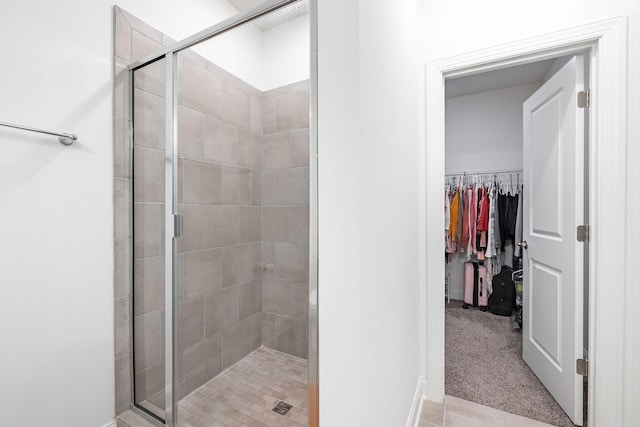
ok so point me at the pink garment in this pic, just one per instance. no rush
(483, 219)
(451, 246)
(473, 218)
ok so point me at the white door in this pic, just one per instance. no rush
(553, 261)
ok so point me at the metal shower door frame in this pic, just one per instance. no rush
(173, 224)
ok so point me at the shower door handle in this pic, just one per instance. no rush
(178, 226)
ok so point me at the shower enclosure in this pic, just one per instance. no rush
(221, 203)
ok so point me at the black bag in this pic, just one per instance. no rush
(502, 300)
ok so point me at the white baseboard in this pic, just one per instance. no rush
(110, 424)
(416, 405)
(457, 295)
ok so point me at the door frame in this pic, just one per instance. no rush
(607, 43)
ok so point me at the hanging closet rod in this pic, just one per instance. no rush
(63, 138)
(494, 172)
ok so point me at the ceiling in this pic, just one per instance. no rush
(274, 19)
(497, 79)
(245, 5)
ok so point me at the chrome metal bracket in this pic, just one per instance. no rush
(178, 226)
(582, 367)
(582, 233)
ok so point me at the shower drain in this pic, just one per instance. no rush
(282, 408)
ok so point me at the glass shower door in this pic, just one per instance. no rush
(243, 195)
(149, 260)
(221, 162)
(219, 253)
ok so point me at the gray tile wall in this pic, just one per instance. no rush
(285, 218)
(244, 195)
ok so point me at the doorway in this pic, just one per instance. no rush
(484, 359)
(606, 181)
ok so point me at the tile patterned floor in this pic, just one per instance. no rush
(245, 394)
(456, 412)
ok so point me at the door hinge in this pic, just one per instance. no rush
(584, 99)
(582, 233)
(178, 225)
(582, 367)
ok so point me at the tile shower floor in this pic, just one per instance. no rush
(245, 394)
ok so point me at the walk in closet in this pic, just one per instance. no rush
(484, 218)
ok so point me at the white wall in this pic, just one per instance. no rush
(339, 286)
(369, 216)
(239, 52)
(494, 22)
(285, 53)
(264, 59)
(56, 250)
(484, 130)
(179, 20)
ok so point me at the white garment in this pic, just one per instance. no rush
(491, 244)
(489, 279)
(494, 252)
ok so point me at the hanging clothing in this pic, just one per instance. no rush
(489, 266)
(460, 217)
(481, 214)
(482, 223)
(453, 223)
(473, 214)
(464, 236)
(508, 211)
(497, 234)
(491, 240)
(517, 252)
(447, 223)
(483, 220)
(490, 223)
(447, 210)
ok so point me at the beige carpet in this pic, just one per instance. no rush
(483, 364)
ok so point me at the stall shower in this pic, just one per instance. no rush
(239, 264)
